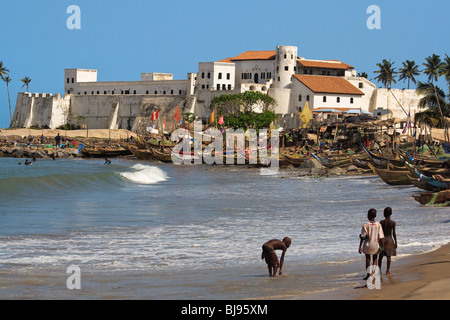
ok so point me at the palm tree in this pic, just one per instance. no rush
(26, 82)
(7, 79)
(3, 71)
(434, 102)
(386, 73)
(433, 67)
(362, 75)
(446, 71)
(409, 71)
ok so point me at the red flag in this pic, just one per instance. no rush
(156, 114)
(177, 115)
(165, 123)
(152, 117)
(221, 120)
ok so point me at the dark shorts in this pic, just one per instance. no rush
(270, 256)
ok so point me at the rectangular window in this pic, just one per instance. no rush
(286, 68)
(220, 76)
(73, 80)
(209, 75)
(218, 86)
(229, 87)
(68, 80)
(228, 76)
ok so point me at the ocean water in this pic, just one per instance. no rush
(148, 230)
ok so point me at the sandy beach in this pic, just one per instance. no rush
(419, 277)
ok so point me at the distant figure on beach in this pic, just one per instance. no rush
(390, 239)
(107, 162)
(268, 253)
(57, 140)
(371, 239)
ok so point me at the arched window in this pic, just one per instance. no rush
(324, 99)
(307, 98)
(300, 98)
(351, 100)
(338, 100)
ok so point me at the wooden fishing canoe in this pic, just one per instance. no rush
(392, 177)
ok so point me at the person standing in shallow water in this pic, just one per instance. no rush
(268, 253)
(371, 240)
(390, 240)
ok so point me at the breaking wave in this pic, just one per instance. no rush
(143, 174)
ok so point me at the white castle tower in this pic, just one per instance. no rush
(285, 64)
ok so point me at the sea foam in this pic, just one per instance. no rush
(143, 174)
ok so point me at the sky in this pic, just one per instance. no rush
(122, 39)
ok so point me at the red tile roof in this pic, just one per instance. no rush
(325, 84)
(256, 55)
(329, 64)
(227, 60)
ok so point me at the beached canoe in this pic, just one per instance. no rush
(391, 176)
(383, 161)
(296, 161)
(432, 198)
(142, 154)
(162, 156)
(104, 152)
(331, 162)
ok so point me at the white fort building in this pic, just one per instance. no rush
(329, 86)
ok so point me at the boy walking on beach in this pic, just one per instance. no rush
(268, 253)
(390, 239)
(371, 239)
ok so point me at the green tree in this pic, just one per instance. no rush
(362, 75)
(435, 104)
(434, 67)
(386, 73)
(409, 71)
(446, 71)
(242, 110)
(26, 82)
(7, 79)
(3, 71)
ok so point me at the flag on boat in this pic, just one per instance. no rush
(155, 116)
(212, 117)
(306, 115)
(177, 115)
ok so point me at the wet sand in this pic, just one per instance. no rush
(420, 277)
